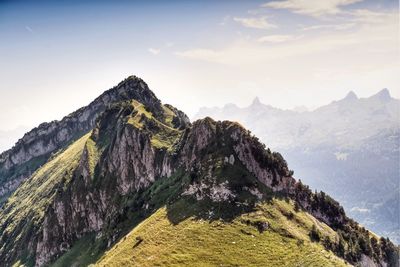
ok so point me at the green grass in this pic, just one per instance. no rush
(169, 115)
(80, 252)
(30, 201)
(18, 264)
(136, 120)
(163, 134)
(165, 138)
(93, 155)
(29, 167)
(197, 242)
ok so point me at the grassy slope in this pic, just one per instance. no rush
(195, 242)
(81, 254)
(39, 189)
(38, 192)
(166, 135)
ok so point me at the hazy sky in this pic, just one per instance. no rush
(57, 56)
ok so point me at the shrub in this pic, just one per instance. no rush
(315, 235)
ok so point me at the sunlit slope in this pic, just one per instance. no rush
(30, 201)
(241, 242)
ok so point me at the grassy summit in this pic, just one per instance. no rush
(198, 242)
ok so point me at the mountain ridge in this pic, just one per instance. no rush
(134, 163)
(349, 148)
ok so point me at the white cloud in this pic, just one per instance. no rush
(247, 52)
(338, 27)
(367, 16)
(256, 23)
(380, 37)
(316, 68)
(360, 210)
(154, 51)
(312, 8)
(277, 38)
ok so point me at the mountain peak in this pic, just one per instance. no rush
(383, 95)
(256, 101)
(133, 81)
(133, 77)
(351, 96)
(134, 87)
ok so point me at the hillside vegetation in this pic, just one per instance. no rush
(196, 242)
(25, 209)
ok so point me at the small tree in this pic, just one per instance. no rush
(315, 235)
(340, 246)
(296, 206)
(327, 243)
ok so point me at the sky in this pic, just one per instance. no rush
(56, 56)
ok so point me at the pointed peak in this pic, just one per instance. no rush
(134, 88)
(256, 101)
(383, 94)
(133, 80)
(351, 96)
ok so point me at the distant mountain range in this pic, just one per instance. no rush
(348, 148)
(129, 181)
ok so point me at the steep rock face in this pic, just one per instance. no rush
(127, 164)
(36, 146)
(265, 168)
(228, 142)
